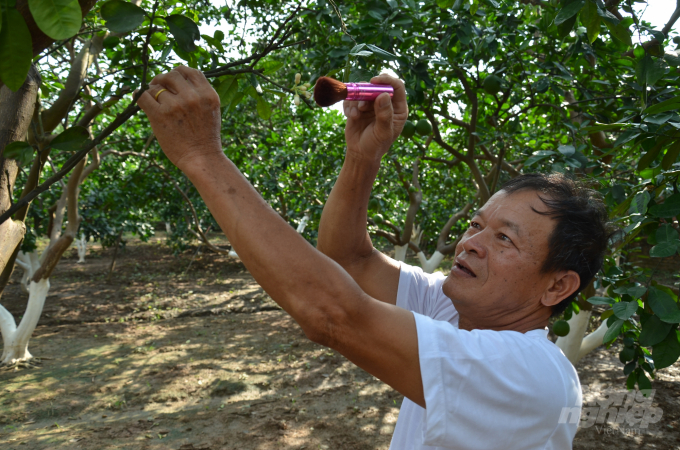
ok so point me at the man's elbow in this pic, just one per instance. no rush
(323, 324)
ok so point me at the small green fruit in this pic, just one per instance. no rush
(492, 84)
(561, 328)
(448, 182)
(374, 204)
(409, 130)
(378, 219)
(424, 127)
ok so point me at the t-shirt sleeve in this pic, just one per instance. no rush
(483, 392)
(422, 293)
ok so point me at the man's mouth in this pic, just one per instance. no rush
(462, 268)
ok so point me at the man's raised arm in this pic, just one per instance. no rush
(370, 131)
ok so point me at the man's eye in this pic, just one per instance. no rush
(505, 238)
(474, 225)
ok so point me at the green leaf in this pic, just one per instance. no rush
(73, 139)
(613, 331)
(643, 381)
(445, 3)
(664, 249)
(623, 310)
(184, 30)
(653, 331)
(387, 56)
(270, 67)
(671, 104)
(620, 32)
(626, 136)
(474, 6)
(604, 127)
(569, 11)
(669, 208)
(358, 75)
(591, 20)
(671, 155)
(16, 50)
(122, 16)
(630, 381)
(639, 203)
(663, 305)
(666, 352)
(20, 151)
(601, 301)
(59, 19)
(237, 99)
(648, 158)
(263, 108)
(666, 233)
(227, 91)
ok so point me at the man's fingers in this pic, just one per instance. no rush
(399, 96)
(194, 76)
(160, 93)
(147, 103)
(174, 81)
(383, 117)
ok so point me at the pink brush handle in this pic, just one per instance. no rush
(367, 91)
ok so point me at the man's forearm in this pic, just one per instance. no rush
(293, 273)
(342, 230)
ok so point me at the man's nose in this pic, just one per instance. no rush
(476, 244)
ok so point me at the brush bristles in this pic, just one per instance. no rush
(328, 91)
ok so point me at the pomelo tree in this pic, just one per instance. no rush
(68, 73)
(584, 87)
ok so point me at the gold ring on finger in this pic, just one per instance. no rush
(159, 93)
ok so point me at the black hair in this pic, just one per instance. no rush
(582, 232)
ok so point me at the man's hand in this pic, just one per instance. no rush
(372, 127)
(185, 117)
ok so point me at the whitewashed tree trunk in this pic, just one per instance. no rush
(168, 228)
(400, 252)
(29, 263)
(15, 339)
(574, 345)
(81, 245)
(303, 223)
(430, 265)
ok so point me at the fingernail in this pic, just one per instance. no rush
(361, 104)
(384, 101)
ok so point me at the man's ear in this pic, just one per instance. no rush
(564, 283)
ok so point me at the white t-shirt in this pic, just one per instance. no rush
(484, 389)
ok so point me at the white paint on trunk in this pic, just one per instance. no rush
(430, 265)
(303, 223)
(29, 263)
(168, 228)
(400, 252)
(574, 345)
(15, 339)
(593, 340)
(81, 245)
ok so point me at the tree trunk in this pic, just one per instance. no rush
(400, 252)
(81, 244)
(16, 112)
(430, 265)
(15, 339)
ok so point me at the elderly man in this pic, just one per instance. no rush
(470, 351)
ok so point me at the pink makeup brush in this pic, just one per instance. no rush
(328, 91)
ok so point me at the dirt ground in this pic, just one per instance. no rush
(187, 352)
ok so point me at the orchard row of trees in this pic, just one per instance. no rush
(583, 87)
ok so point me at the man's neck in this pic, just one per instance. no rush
(535, 321)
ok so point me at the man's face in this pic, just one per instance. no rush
(498, 261)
